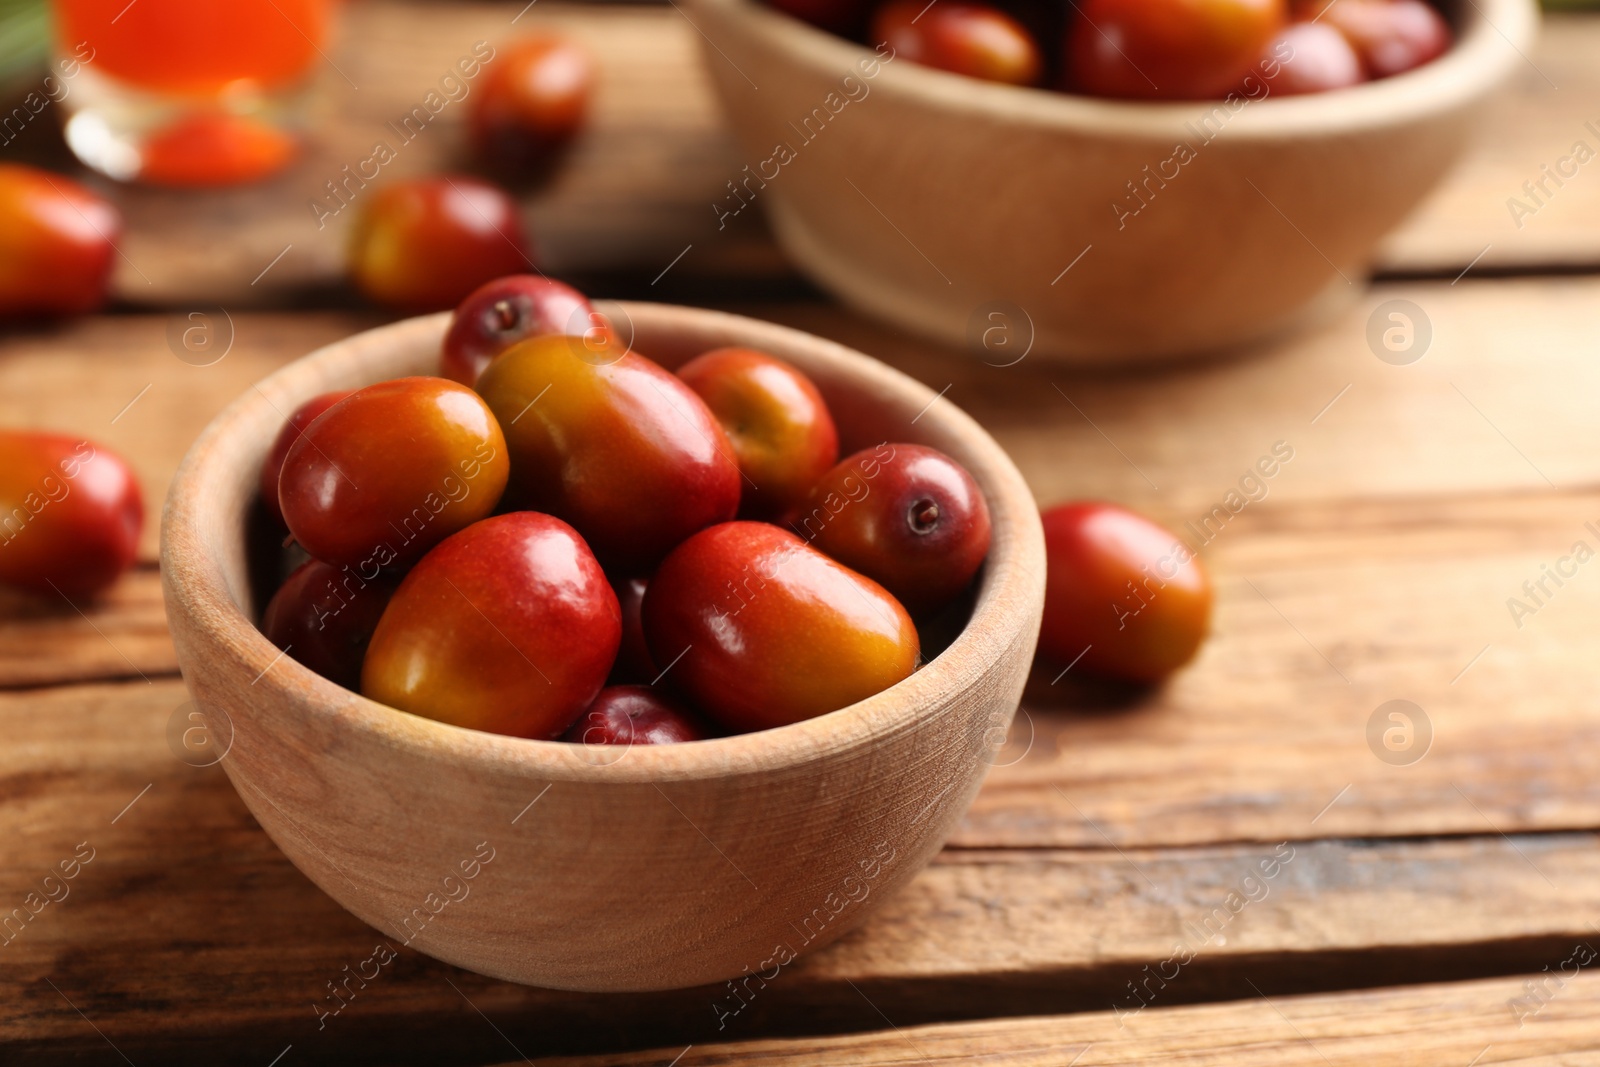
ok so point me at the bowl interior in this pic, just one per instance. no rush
(206, 555)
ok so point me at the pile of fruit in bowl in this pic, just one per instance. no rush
(1150, 49)
(557, 538)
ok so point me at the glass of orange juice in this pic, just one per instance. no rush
(188, 92)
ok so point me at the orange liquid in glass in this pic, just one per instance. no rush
(197, 47)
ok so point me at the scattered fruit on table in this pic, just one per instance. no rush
(70, 514)
(763, 630)
(390, 471)
(1148, 49)
(965, 38)
(57, 244)
(613, 556)
(296, 425)
(607, 440)
(504, 311)
(776, 421)
(908, 517)
(508, 626)
(635, 715)
(532, 103)
(1124, 598)
(324, 616)
(425, 244)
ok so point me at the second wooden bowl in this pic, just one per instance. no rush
(1091, 231)
(590, 868)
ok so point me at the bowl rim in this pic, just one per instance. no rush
(1491, 36)
(1012, 583)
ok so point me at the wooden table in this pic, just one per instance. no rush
(1104, 901)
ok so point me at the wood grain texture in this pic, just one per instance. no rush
(640, 187)
(122, 634)
(191, 938)
(1433, 1026)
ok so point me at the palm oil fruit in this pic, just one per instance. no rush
(70, 514)
(759, 629)
(635, 715)
(293, 427)
(1123, 598)
(390, 471)
(907, 516)
(323, 617)
(607, 440)
(777, 422)
(508, 626)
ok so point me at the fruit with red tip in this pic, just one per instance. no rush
(1390, 36)
(57, 244)
(323, 617)
(777, 422)
(532, 102)
(70, 514)
(966, 38)
(1310, 57)
(500, 313)
(293, 427)
(1127, 596)
(424, 244)
(763, 630)
(634, 663)
(607, 440)
(508, 626)
(906, 516)
(1168, 49)
(390, 471)
(635, 715)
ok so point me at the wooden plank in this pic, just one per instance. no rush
(188, 931)
(123, 634)
(1534, 123)
(1433, 1026)
(1378, 567)
(638, 188)
(117, 381)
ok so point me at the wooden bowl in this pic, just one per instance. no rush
(959, 209)
(631, 869)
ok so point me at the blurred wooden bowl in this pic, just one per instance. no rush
(1010, 220)
(610, 869)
